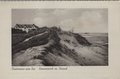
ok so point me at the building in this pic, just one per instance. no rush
(26, 27)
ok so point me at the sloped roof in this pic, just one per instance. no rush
(26, 26)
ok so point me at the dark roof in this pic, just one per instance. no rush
(26, 26)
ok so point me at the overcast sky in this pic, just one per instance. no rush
(80, 20)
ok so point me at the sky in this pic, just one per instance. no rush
(80, 20)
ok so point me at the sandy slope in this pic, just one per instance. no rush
(62, 49)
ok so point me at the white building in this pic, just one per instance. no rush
(26, 27)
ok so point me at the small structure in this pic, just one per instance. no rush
(26, 27)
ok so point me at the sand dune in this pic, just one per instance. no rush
(55, 47)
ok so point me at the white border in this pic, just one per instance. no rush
(73, 72)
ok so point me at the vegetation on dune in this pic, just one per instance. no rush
(17, 38)
(81, 40)
(55, 47)
(35, 41)
(19, 35)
